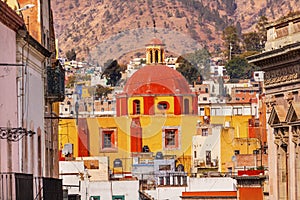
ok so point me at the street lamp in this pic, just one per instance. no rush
(27, 6)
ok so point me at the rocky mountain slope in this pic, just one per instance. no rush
(99, 30)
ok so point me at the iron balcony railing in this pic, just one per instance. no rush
(55, 83)
(19, 186)
(16, 186)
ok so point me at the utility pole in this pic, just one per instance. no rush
(230, 48)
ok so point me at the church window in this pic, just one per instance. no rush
(186, 106)
(163, 105)
(156, 56)
(136, 107)
(171, 138)
(151, 57)
(108, 139)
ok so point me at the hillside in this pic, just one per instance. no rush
(99, 30)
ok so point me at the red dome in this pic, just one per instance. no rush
(155, 41)
(156, 79)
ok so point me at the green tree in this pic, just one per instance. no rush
(252, 41)
(71, 54)
(112, 72)
(255, 41)
(262, 30)
(231, 39)
(102, 91)
(239, 68)
(190, 72)
(200, 60)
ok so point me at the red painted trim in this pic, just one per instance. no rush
(83, 135)
(210, 194)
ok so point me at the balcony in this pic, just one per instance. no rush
(21, 186)
(55, 83)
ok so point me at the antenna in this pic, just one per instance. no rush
(154, 27)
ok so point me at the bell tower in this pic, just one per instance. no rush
(155, 52)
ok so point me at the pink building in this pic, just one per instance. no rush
(26, 164)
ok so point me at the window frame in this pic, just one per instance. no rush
(237, 111)
(204, 132)
(163, 105)
(136, 107)
(177, 137)
(114, 145)
(122, 197)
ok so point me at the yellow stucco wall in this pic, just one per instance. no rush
(13, 4)
(67, 133)
(151, 131)
(231, 139)
(234, 138)
(238, 122)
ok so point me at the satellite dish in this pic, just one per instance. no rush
(117, 162)
(68, 149)
(159, 155)
(180, 168)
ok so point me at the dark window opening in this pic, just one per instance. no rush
(186, 106)
(163, 105)
(136, 107)
(156, 56)
(164, 167)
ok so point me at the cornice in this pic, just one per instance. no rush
(9, 17)
(272, 56)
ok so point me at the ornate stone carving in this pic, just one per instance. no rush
(281, 137)
(289, 97)
(282, 75)
(270, 102)
(296, 135)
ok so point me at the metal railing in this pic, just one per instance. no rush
(19, 186)
(16, 186)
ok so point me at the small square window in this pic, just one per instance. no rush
(171, 138)
(204, 132)
(236, 152)
(108, 139)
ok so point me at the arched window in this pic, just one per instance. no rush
(161, 55)
(156, 56)
(151, 56)
(136, 107)
(186, 106)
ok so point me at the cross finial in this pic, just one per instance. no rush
(154, 26)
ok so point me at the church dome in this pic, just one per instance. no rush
(155, 41)
(156, 79)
